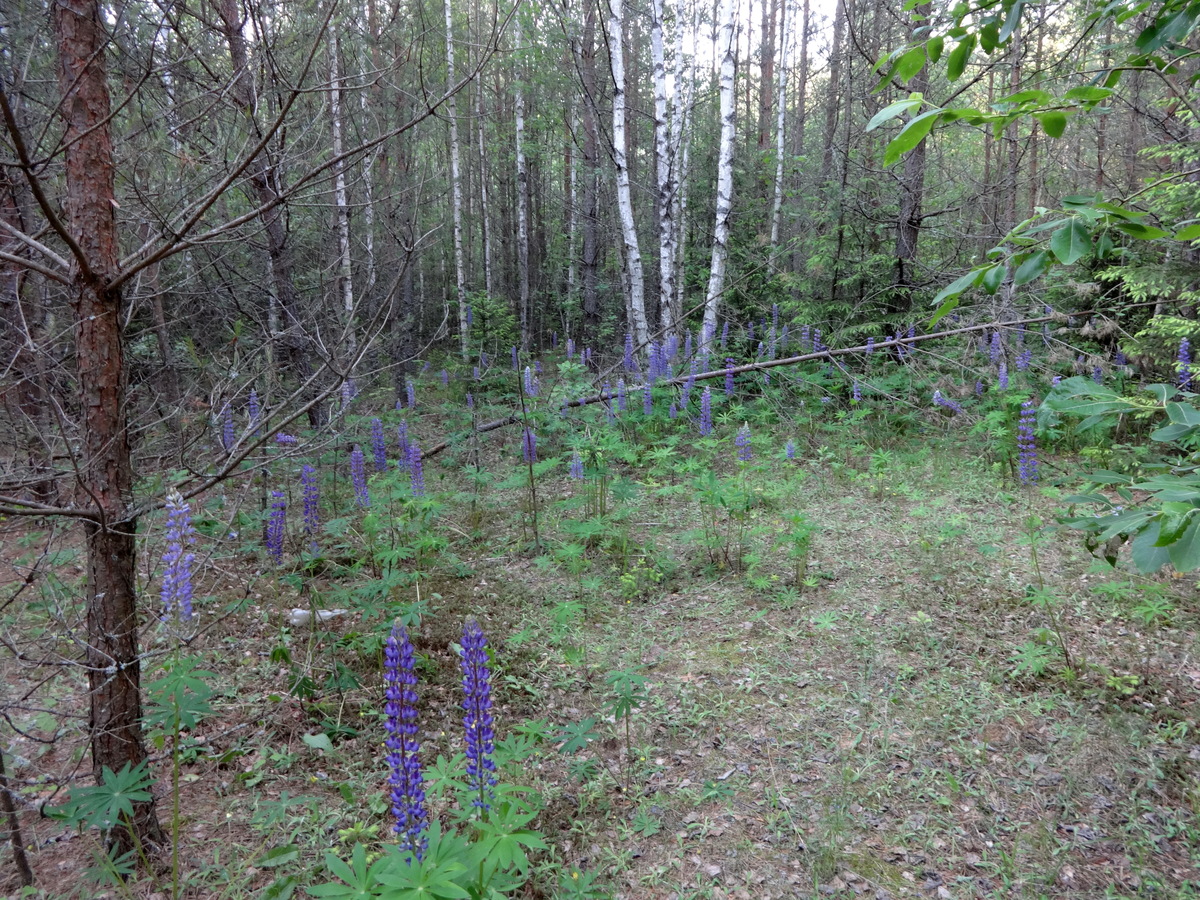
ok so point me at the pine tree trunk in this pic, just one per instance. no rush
(590, 258)
(780, 134)
(635, 302)
(835, 90)
(456, 191)
(106, 470)
(720, 250)
(912, 186)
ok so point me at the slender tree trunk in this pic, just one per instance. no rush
(485, 211)
(780, 133)
(1011, 136)
(720, 250)
(106, 470)
(522, 203)
(1102, 124)
(590, 258)
(685, 82)
(266, 182)
(912, 187)
(456, 191)
(664, 154)
(345, 279)
(835, 90)
(634, 278)
(572, 168)
(767, 70)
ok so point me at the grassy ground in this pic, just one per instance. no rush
(900, 722)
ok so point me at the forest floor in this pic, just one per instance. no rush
(902, 723)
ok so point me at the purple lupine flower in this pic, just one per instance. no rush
(1185, 365)
(857, 392)
(530, 384)
(870, 345)
(750, 332)
(253, 410)
(912, 332)
(475, 372)
(901, 351)
(378, 445)
(706, 423)
(1098, 375)
(477, 715)
(818, 345)
(1055, 380)
(620, 395)
(789, 450)
(312, 505)
(416, 470)
(825, 401)
(687, 346)
(227, 432)
(1021, 335)
(1120, 359)
(554, 340)
(178, 559)
(766, 376)
(276, 526)
(953, 405)
(405, 781)
(654, 362)
(1002, 377)
(286, 440)
(647, 400)
(483, 358)
(725, 335)
(1027, 462)
(358, 477)
(470, 401)
(411, 389)
(783, 340)
(673, 411)
(529, 446)
(729, 376)
(1024, 359)
(995, 350)
(445, 377)
(570, 347)
(537, 367)
(347, 394)
(805, 338)
(759, 353)
(424, 368)
(470, 316)
(516, 363)
(576, 469)
(978, 388)
(742, 440)
(628, 352)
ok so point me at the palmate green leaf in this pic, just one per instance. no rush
(1071, 242)
(914, 131)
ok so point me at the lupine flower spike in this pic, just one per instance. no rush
(227, 433)
(312, 503)
(790, 450)
(477, 715)
(529, 446)
(1027, 461)
(416, 470)
(378, 446)
(358, 477)
(946, 403)
(706, 423)
(253, 410)
(406, 783)
(1185, 365)
(276, 525)
(742, 440)
(177, 574)
(576, 466)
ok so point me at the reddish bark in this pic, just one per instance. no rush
(114, 671)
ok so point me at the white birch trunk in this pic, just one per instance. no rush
(720, 250)
(780, 134)
(572, 214)
(460, 268)
(681, 138)
(345, 278)
(484, 209)
(368, 179)
(522, 200)
(634, 278)
(665, 170)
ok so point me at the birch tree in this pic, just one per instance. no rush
(345, 279)
(780, 132)
(634, 278)
(664, 156)
(522, 202)
(720, 249)
(456, 192)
